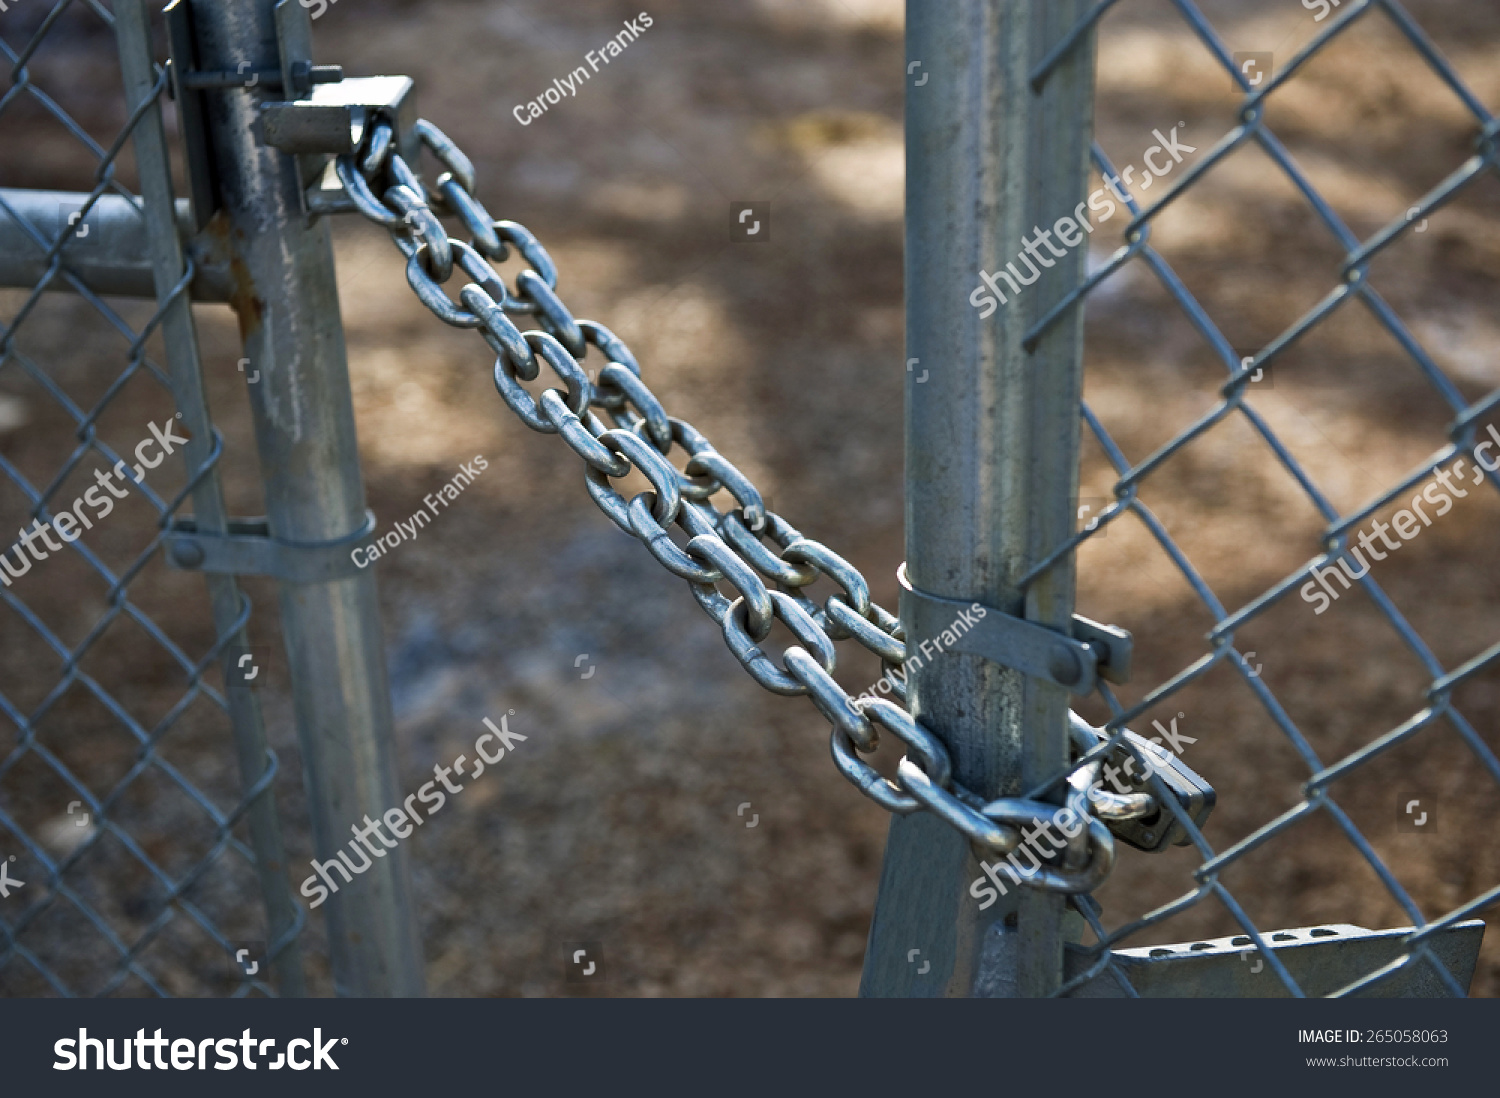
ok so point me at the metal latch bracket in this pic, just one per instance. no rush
(331, 120)
(249, 549)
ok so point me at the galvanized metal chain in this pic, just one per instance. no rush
(723, 547)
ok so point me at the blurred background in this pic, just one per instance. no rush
(616, 822)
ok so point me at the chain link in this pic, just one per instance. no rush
(728, 546)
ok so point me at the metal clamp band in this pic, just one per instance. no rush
(249, 549)
(1074, 662)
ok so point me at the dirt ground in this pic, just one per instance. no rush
(618, 821)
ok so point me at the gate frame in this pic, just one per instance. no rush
(285, 293)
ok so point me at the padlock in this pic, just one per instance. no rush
(1158, 829)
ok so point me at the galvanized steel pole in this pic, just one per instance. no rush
(992, 433)
(162, 246)
(287, 300)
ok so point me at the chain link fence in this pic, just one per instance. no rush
(128, 835)
(1348, 556)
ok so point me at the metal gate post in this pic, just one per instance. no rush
(165, 252)
(992, 435)
(287, 300)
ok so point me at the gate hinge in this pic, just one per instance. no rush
(1074, 660)
(248, 549)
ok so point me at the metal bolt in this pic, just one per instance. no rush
(1064, 666)
(187, 553)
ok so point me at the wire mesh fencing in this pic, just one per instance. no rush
(125, 827)
(1344, 542)
(135, 856)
